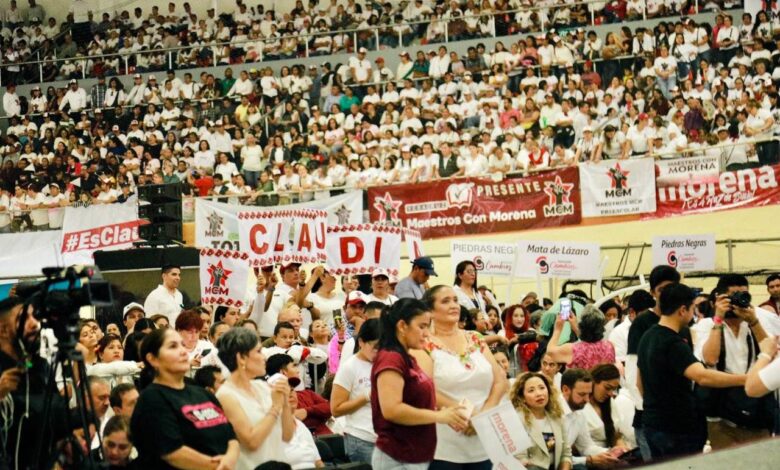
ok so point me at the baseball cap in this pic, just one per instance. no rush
(72, 81)
(138, 75)
(132, 306)
(355, 297)
(426, 263)
(379, 59)
(643, 116)
(152, 77)
(380, 272)
(587, 129)
(286, 266)
(362, 50)
(403, 53)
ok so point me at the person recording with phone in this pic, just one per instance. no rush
(732, 346)
(591, 349)
(23, 377)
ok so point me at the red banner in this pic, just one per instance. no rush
(472, 206)
(734, 189)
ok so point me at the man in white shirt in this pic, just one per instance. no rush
(732, 346)
(11, 104)
(75, 98)
(36, 203)
(727, 40)
(137, 92)
(56, 202)
(166, 298)
(759, 127)
(639, 301)
(439, 64)
(576, 389)
(278, 295)
(380, 288)
(360, 71)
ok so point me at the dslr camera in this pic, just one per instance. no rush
(739, 299)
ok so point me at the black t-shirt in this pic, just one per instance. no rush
(643, 322)
(165, 419)
(669, 403)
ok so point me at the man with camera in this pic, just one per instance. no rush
(732, 346)
(23, 376)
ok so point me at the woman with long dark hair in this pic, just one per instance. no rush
(403, 397)
(178, 425)
(602, 415)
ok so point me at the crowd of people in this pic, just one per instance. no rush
(561, 98)
(396, 372)
(87, 44)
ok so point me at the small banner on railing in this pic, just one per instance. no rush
(680, 170)
(490, 258)
(362, 248)
(614, 187)
(283, 236)
(223, 277)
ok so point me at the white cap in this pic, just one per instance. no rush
(380, 272)
(132, 306)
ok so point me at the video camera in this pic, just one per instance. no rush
(57, 299)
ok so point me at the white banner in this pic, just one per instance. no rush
(414, 246)
(216, 223)
(502, 435)
(223, 277)
(86, 230)
(490, 258)
(686, 253)
(285, 236)
(359, 249)
(564, 260)
(681, 170)
(26, 254)
(614, 187)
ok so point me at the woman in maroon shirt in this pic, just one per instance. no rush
(403, 398)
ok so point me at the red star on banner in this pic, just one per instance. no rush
(218, 273)
(550, 190)
(617, 173)
(387, 207)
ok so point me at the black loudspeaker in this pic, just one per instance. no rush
(160, 205)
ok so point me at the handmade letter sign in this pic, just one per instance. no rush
(414, 246)
(284, 236)
(223, 277)
(502, 435)
(359, 249)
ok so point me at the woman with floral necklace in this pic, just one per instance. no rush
(465, 374)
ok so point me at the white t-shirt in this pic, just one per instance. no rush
(301, 451)
(757, 122)
(281, 294)
(390, 300)
(769, 375)
(326, 306)
(161, 301)
(354, 376)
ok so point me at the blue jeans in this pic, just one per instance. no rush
(644, 447)
(357, 449)
(251, 178)
(445, 465)
(665, 445)
(666, 85)
(382, 461)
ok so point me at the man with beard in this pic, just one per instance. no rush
(23, 376)
(576, 388)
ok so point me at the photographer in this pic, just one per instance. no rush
(732, 346)
(23, 375)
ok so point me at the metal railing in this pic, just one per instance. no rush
(375, 32)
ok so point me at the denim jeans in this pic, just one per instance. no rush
(665, 445)
(644, 447)
(382, 461)
(445, 465)
(357, 449)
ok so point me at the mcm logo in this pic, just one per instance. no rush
(343, 214)
(215, 225)
(559, 194)
(619, 181)
(388, 210)
(218, 278)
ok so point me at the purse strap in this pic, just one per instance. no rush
(752, 345)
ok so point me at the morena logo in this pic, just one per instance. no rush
(544, 267)
(671, 259)
(478, 263)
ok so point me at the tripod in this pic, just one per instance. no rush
(71, 362)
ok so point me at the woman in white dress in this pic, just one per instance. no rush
(465, 374)
(466, 287)
(258, 411)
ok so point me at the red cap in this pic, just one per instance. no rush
(355, 297)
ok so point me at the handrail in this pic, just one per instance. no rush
(376, 28)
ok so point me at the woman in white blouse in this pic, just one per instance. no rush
(388, 173)
(602, 413)
(466, 286)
